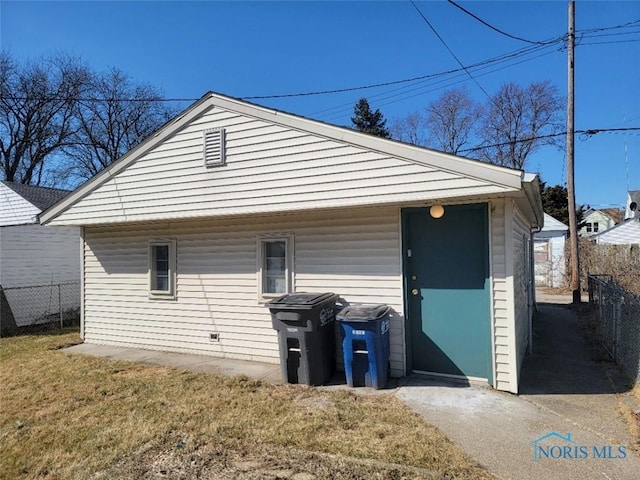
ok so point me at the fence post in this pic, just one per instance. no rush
(60, 304)
(618, 326)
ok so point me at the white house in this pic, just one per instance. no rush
(232, 204)
(632, 209)
(549, 246)
(595, 221)
(625, 233)
(32, 255)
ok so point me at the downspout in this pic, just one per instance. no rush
(532, 280)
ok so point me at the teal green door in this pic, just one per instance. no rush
(447, 291)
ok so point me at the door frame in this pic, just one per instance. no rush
(408, 341)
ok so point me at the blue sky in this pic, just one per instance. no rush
(247, 49)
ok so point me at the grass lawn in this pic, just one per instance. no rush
(74, 416)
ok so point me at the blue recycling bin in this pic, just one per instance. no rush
(364, 330)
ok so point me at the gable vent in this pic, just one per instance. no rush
(214, 147)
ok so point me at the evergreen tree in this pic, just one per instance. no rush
(555, 203)
(366, 121)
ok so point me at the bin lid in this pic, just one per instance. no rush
(307, 300)
(362, 313)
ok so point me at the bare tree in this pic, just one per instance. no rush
(410, 129)
(117, 115)
(519, 121)
(452, 119)
(37, 103)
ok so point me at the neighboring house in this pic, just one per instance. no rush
(595, 221)
(625, 233)
(31, 254)
(632, 209)
(549, 246)
(232, 204)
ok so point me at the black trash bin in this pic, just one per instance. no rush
(305, 323)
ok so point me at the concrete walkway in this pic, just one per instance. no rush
(562, 391)
(198, 363)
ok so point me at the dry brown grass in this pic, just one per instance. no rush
(628, 402)
(622, 262)
(74, 416)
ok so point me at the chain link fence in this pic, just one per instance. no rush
(38, 305)
(619, 314)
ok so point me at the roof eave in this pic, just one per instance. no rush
(531, 188)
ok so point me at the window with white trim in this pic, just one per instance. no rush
(162, 268)
(214, 154)
(274, 265)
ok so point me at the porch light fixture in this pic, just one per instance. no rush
(436, 211)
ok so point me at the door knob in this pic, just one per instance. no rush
(413, 277)
(414, 291)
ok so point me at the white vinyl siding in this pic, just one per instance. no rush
(15, 210)
(269, 168)
(36, 255)
(354, 253)
(521, 284)
(511, 290)
(502, 318)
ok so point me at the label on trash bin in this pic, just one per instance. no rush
(358, 332)
(326, 316)
(384, 327)
(292, 330)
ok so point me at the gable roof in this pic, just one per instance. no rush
(614, 213)
(502, 179)
(625, 233)
(601, 211)
(551, 224)
(41, 197)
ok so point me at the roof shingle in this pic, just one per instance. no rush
(41, 197)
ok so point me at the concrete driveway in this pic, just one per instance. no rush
(565, 424)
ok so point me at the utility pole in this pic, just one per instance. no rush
(571, 192)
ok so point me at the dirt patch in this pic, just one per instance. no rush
(265, 463)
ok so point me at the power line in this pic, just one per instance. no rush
(497, 59)
(449, 50)
(615, 34)
(489, 61)
(421, 89)
(610, 42)
(342, 90)
(95, 99)
(460, 7)
(614, 27)
(586, 134)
